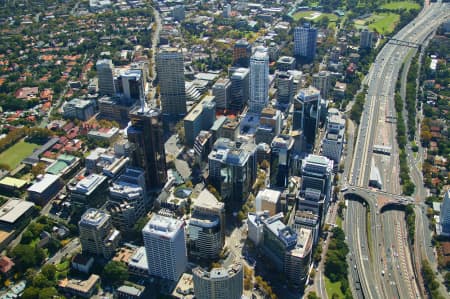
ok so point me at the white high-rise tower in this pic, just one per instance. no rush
(259, 80)
(165, 245)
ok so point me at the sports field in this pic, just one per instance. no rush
(383, 23)
(408, 5)
(16, 153)
(314, 16)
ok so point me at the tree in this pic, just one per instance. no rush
(313, 295)
(49, 271)
(30, 293)
(115, 273)
(41, 281)
(265, 165)
(48, 293)
(27, 256)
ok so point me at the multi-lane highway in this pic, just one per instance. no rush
(382, 257)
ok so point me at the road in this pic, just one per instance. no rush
(388, 229)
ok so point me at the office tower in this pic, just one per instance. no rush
(132, 86)
(241, 53)
(230, 129)
(333, 142)
(232, 169)
(220, 283)
(239, 88)
(274, 51)
(285, 88)
(366, 39)
(268, 200)
(259, 80)
(222, 91)
(165, 245)
(305, 39)
(280, 160)
(226, 10)
(307, 112)
(289, 251)
(315, 191)
(445, 215)
(146, 137)
(255, 223)
(203, 145)
(309, 220)
(200, 118)
(269, 125)
(298, 259)
(105, 69)
(170, 69)
(97, 235)
(286, 63)
(78, 109)
(127, 199)
(322, 81)
(206, 229)
(178, 13)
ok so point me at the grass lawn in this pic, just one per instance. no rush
(333, 288)
(384, 23)
(401, 5)
(314, 16)
(16, 153)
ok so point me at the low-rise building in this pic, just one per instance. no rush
(14, 211)
(78, 109)
(130, 291)
(45, 187)
(81, 288)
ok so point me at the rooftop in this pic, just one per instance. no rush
(12, 182)
(43, 183)
(13, 210)
(304, 243)
(207, 200)
(269, 195)
(94, 217)
(88, 185)
(83, 286)
(163, 226)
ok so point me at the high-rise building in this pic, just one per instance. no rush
(241, 53)
(206, 229)
(226, 10)
(268, 200)
(97, 235)
(333, 142)
(259, 80)
(269, 125)
(165, 245)
(170, 69)
(255, 222)
(232, 169)
(285, 88)
(280, 166)
(78, 109)
(445, 215)
(239, 88)
(146, 137)
(322, 81)
(222, 91)
(286, 63)
(290, 251)
(127, 199)
(105, 69)
(366, 39)
(306, 113)
(132, 85)
(274, 51)
(220, 283)
(178, 13)
(201, 117)
(315, 191)
(305, 39)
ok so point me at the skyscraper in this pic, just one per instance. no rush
(305, 39)
(132, 85)
(97, 235)
(366, 39)
(220, 283)
(307, 112)
(239, 88)
(333, 142)
(285, 88)
(206, 227)
(322, 81)
(105, 75)
(146, 136)
(315, 191)
(170, 68)
(445, 215)
(222, 91)
(165, 245)
(241, 53)
(259, 80)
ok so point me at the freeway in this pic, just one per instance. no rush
(387, 231)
